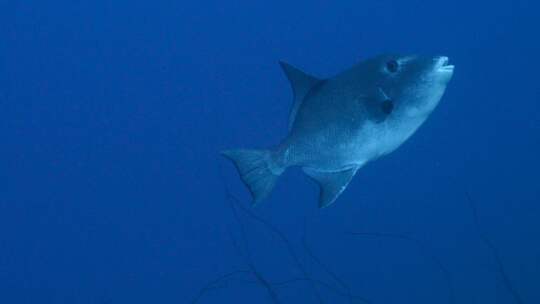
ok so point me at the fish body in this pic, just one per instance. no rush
(339, 124)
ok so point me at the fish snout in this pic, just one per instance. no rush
(441, 64)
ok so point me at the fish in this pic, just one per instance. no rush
(340, 123)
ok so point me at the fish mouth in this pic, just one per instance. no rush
(441, 65)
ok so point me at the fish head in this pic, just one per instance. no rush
(411, 86)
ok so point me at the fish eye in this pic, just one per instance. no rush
(392, 66)
(387, 106)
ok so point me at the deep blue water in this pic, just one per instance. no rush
(112, 114)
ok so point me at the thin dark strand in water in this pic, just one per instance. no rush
(260, 280)
(281, 236)
(214, 284)
(286, 283)
(318, 261)
(426, 250)
(233, 200)
(249, 261)
(494, 251)
(247, 254)
(324, 284)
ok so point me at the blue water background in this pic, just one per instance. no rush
(112, 114)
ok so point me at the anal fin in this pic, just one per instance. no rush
(331, 183)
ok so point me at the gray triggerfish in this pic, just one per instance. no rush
(338, 124)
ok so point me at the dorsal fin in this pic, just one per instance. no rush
(301, 84)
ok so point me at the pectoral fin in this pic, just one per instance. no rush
(331, 183)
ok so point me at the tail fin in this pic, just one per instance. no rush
(256, 170)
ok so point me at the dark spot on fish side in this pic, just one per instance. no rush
(392, 66)
(387, 106)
